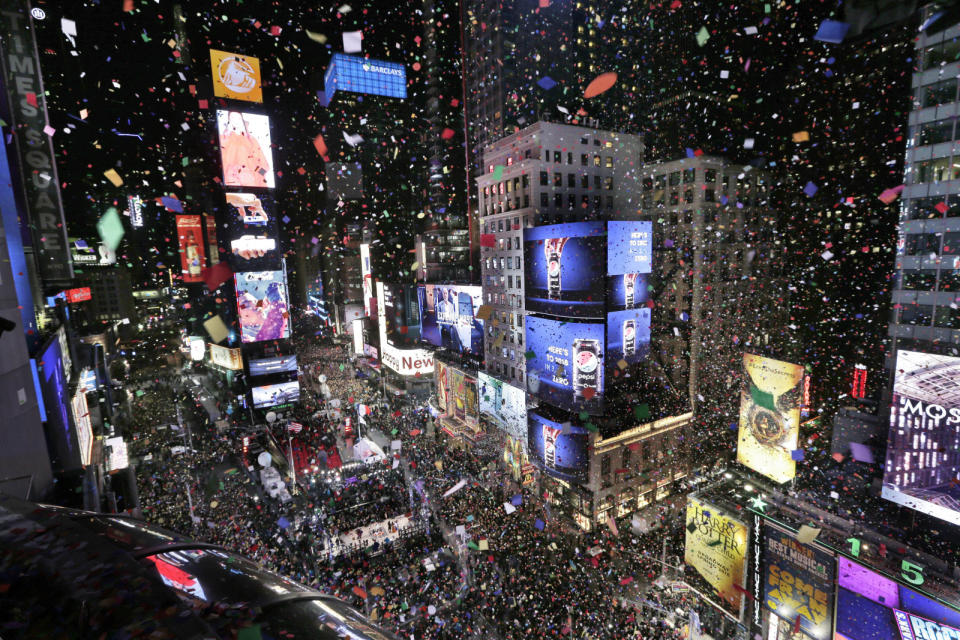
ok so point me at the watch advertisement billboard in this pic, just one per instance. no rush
(870, 605)
(769, 416)
(922, 469)
(715, 556)
(364, 75)
(278, 364)
(562, 264)
(262, 306)
(505, 406)
(448, 317)
(565, 364)
(271, 395)
(560, 449)
(235, 76)
(192, 255)
(798, 582)
(245, 149)
(225, 357)
(628, 336)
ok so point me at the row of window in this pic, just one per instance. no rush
(511, 300)
(604, 182)
(926, 280)
(942, 53)
(933, 207)
(557, 157)
(926, 315)
(936, 170)
(660, 181)
(938, 93)
(501, 369)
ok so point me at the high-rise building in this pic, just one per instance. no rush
(546, 173)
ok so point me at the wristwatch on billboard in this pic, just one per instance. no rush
(765, 416)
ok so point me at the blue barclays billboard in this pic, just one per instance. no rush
(365, 75)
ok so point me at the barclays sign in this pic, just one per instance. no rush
(363, 75)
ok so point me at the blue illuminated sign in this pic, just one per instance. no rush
(365, 75)
(562, 263)
(629, 247)
(565, 365)
(561, 450)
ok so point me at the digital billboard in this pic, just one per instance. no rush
(369, 301)
(870, 605)
(565, 363)
(560, 449)
(214, 251)
(278, 364)
(769, 416)
(198, 348)
(628, 336)
(798, 582)
(262, 305)
(245, 149)
(628, 291)
(442, 383)
(448, 317)
(364, 75)
(235, 76)
(715, 556)
(406, 362)
(192, 254)
(457, 391)
(562, 264)
(225, 357)
(505, 406)
(83, 426)
(629, 247)
(250, 209)
(271, 395)
(922, 468)
(250, 247)
(53, 386)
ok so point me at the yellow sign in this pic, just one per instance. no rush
(770, 416)
(235, 76)
(716, 550)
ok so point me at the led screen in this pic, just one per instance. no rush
(871, 606)
(769, 416)
(83, 426)
(565, 363)
(214, 252)
(448, 317)
(923, 448)
(628, 291)
(250, 209)
(505, 406)
(192, 255)
(235, 76)
(225, 357)
(365, 75)
(279, 364)
(798, 583)
(561, 450)
(53, 385)
(562, 263)
(715, 556)
(629, 247)
(369, 300)
(245, 149)
(457, 395)
(271, 395)
(262, 305)
(628, 336)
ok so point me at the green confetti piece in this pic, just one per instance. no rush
(529, 355)
(250, 633)
(591, 427)
(110, 229)
(702, 36)
(641, 411)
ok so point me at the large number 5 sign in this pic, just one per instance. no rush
(909, 571)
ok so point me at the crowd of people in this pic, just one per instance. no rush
(485, 558)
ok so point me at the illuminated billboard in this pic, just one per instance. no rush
(442, 383)
(83, 426)
(278, 364)
(457, 393)
(135, 207)
(715, 556)
(192, 255)
(565, 365)
(629, 247)
(870, 605)
(53, 387)
(80, 294)
(364, 75)
(271, 395)
(365, 271)
(245, 149)
(769, 416)
(249, 208)
(628, 336)
(562, 264)
(249, 248)
(406, 362)
(357, 336)
(225, 357)
(198, 348)
(798, 582)
(262, 305)
(505, 406)
(560, 449)
(448, 317)
(235, 76)
(922, 468)
(211, 225)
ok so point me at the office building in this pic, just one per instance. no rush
(547, 173)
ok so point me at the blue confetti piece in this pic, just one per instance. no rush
(810, 189)
(832, 31)
(546, 83)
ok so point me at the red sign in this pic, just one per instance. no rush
(78, 295)
(859, 382)
(192, 257)
(212, 240)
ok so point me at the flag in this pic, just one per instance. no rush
(294, 427)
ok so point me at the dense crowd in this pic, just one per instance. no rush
(489, 562)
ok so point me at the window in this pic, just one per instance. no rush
(584, 181)
(558, 179)
(558, 200)
(608, 162)
(609, 202)
(941, 53)
(510, 281)
(689, 176)
(936, 170)
(571, 200)
(596, 160)
(919, 314)
(500, 225)
(556, 157)
(608, 183)
(544, 178)
(516, 242)
(674, 198)
(584, 159)
(626, 457)
(922, 243)
(544, 199)
(596, 182)
(709, 195)
(674, 178)
(710, 176)
(569, 157)
(571, 181)
(546, 155)
(933, 132)
(583, 140)
(688, 196)
(526, 180)
(605, 465)
(939, 93)
(922, 280)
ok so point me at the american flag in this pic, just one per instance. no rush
(295, 427)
